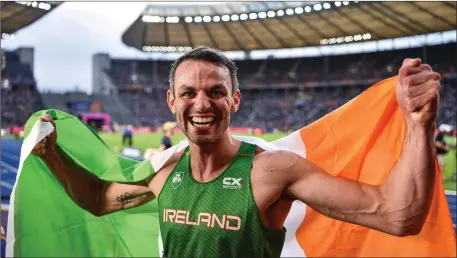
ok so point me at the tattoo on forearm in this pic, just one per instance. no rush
(124, 198)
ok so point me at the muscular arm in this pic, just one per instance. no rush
(90, 192)
(398, 207)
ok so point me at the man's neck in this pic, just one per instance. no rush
(209, 161)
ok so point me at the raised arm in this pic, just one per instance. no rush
(85, 189)
(400, 205)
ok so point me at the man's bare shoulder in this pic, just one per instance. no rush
(166, 169)
(171, 162)
(274, 160)
(161, 176)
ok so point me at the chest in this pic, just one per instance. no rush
(230, 193)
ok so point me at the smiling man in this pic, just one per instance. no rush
(221, 197)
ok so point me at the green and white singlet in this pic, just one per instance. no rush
(215, 219)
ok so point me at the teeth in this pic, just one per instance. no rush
(202, 125)
(202, 119)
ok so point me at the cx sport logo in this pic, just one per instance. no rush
(232, 183)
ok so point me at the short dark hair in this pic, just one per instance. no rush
(203, 53)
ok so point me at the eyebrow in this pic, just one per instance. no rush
(186, 88)
(214, 87)
(217, 87)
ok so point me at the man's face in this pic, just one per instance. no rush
(203, 100)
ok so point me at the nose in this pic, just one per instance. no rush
(202, 103)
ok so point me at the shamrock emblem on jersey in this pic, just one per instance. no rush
(177, 179)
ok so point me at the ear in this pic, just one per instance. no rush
(236, 101)
(171, 101)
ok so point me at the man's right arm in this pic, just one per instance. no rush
(91, 193)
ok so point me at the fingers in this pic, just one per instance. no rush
(39, 146)
(406, 71)
(426, 67)
(415, 104)
(39, 149)
(413, 92)
(411, 62)
(420, 78)
(413, 66)
(410, 67)
(47, 118)
(420, 85)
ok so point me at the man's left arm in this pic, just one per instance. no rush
(410, 186)
(400, 205)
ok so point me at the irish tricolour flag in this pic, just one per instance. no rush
(361, 140)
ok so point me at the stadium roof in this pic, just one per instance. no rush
(275, 25)
(17, 15)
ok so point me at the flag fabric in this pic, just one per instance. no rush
(361, 140)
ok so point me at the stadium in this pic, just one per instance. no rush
(297, 62)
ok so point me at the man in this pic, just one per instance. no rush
(127, 135)
(223, 197)
(441, 147)
(166, 142)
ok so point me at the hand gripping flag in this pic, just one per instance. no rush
(361, 140)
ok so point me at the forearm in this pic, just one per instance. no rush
(409, 188)
(84, 188)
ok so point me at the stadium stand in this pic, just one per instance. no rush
(19, 94)
(298, 90)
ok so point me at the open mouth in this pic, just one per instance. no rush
(202, 122)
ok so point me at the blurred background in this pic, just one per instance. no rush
(108, 64)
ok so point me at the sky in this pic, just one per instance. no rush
(65, 40)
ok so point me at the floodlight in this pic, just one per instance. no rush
(149, 18)
(44, 6)
(172, 19)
